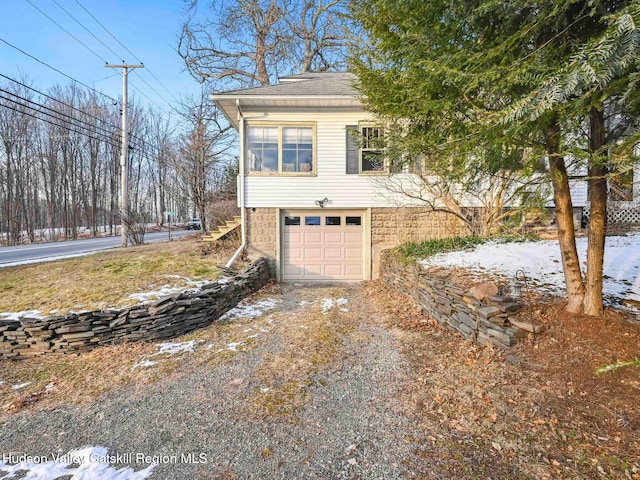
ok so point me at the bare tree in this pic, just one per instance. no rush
(205, 147)
(243, 43)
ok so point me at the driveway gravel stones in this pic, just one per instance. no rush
(342, 418)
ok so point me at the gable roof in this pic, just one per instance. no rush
(312, 90)
(339, 84)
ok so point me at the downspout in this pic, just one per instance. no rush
(240, 188)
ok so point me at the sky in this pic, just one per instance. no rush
(148, 28)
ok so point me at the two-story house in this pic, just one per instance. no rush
(310, 196)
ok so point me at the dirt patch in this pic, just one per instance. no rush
(536, 411)
(311, 340)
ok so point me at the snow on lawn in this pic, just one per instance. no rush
(542, 265)
(20, 386)
(329, 303)
(17, 315)
(173, 348)
(250, 310)
(144, 364)
(84, 463)
(187, 283)
(168, 349)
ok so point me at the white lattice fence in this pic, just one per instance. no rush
(619, 213)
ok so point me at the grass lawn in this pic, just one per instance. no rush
(107, 279)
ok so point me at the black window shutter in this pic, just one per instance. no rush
(353, 159)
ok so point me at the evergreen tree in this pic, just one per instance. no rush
(473, 84)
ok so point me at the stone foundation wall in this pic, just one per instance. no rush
(261, 233)
(164, 318)
(448, 301)
(391, 227)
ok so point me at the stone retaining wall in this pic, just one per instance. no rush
(447, 300)
(167, 317)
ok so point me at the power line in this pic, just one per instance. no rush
(156, 92)
(90, 133)
(62, 114)
(115, 127)
(107, 30)
(145, 96)
(144, 149)
(125, 47)
(50, 122)
(85, 28)
(115, 102)
(59, 101)
(66, 31)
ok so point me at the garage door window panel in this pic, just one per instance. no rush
(312, 221)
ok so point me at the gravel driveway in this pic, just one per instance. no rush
(308, 390)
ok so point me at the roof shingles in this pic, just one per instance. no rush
(338, 84)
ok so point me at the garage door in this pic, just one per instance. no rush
(323, 245)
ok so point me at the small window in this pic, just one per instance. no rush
(312, 221)
(353, 221)
(371, 157)
(333, 221)
(292, 221)
(263, 149)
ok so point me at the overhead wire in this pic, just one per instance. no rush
(80, 123)
(66, 127)
(115, 102)
(59, 101)
(87, 129)
(85, 28)
(66, 31)
(127, 49)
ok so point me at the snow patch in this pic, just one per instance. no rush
(17, 315)
(20, 385)
(248, 310)
(171, 348)
(2, 382)
(143, 364)
(542, 264)
(169, 289)
(233, 346)
(81, 464)
(329, 303)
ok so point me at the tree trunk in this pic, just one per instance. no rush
(598, 216)
(564, 216)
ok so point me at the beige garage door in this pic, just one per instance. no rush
(323, 245)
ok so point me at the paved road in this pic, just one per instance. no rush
(44, 252)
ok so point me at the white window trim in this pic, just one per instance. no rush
(281, 126)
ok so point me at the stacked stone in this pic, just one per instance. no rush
(485, 320)
(167, 317)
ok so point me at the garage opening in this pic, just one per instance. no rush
(323, 245)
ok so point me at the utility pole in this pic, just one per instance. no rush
(124, 208)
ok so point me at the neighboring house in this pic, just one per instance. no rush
(307, 191)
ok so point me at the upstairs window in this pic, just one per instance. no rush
(371, 155)
(280, 149)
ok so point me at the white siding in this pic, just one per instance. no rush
(331, 180)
